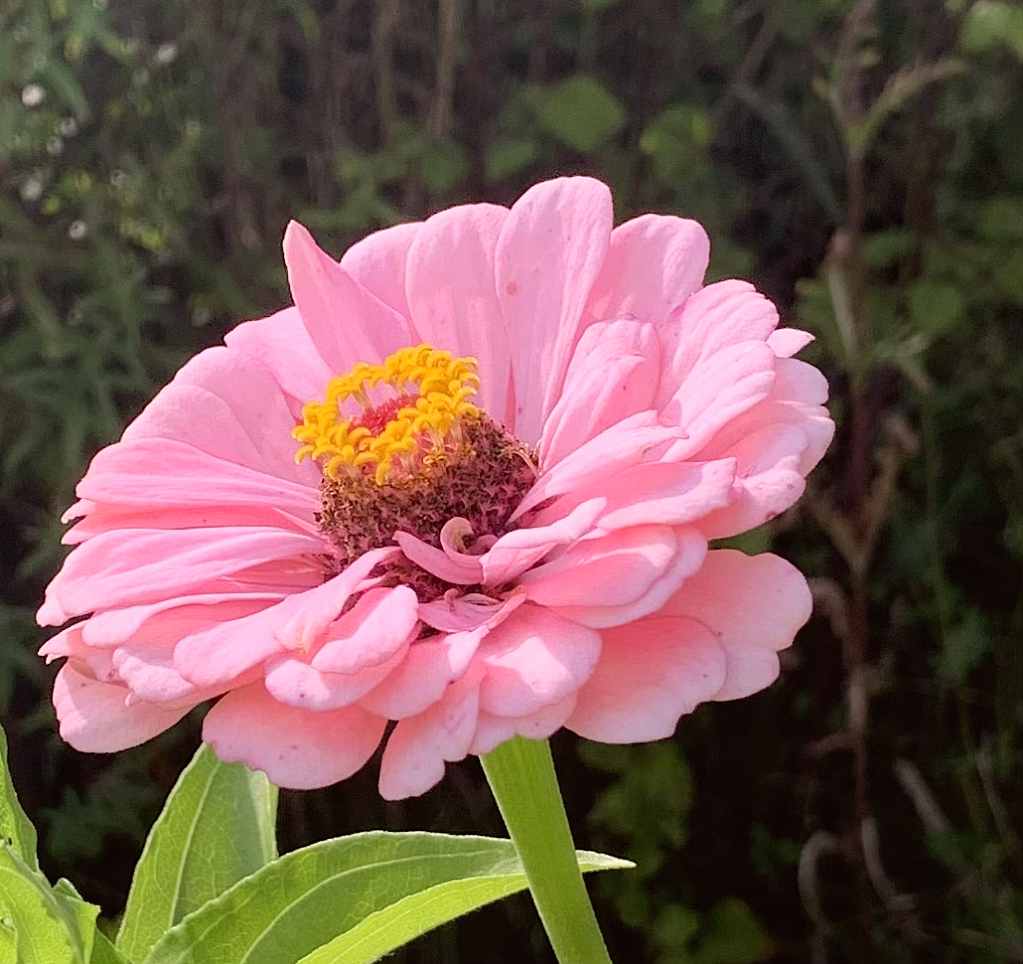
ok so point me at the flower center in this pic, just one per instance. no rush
(403, 449)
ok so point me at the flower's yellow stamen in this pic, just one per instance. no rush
(431, 392)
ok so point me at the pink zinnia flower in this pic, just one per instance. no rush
(466, 484)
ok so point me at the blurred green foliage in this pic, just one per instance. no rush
(860, 161)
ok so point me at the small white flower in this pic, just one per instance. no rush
(166, 53)
(77, 230)
(31, 188)
(32, 95)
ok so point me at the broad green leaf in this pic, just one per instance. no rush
(216, 828)
(305, 899)
(404, 920)
(15, 828)
(581, 113)
(103, 950)
(50, 926)
(8, 950)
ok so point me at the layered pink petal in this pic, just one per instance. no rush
(295, 748)
(655, 584)
(418, 748)
(139, 566)
(423, 677)
(346, 323)
(626, 443)
(492, 731)
(295, 682)
(654, 263)
(755, 605)
(613, 374)
(228, 405)
(380, 623)
(219, 654)
(534, 659)
(549, 253)
(452, 296)
(719, 390)
(651, 672)
(283, 346)
(123, 475)
(717, 317)
(377, 262)
(97, 717)
(664, 493)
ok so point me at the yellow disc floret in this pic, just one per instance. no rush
(411, 406)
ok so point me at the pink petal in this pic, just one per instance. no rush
(767, 481)
(609, 571)
(140, 566)
(227, 405)
(123, 475)
(691, 547)
(219, 654)
(380, 623)
(613, 374)
(95, 717)
(282, 345)
(516, 551)
(785, 342)
(295, 682)
(69, 643)
(451, 294)
(534, 659)
(755, 605)
(377, 262)
(721, 315)
(346, 323)
(417, 750)
(650, 673)
(457, 612)
(662, 493)
(549, 253)
(297, 749)
(460, 569)
(624, 444)
(718, 390)
(148, 671)
(171, 618)
(492, 731)
(654, 263)
(431, 664)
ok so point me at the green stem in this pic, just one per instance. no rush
(522, 778)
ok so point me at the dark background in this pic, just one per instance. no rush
(861, 162)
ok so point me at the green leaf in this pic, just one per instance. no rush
(732, 935)
(581, 113)
(50, 926)
(216, 828)
(989, 23)
(935, 307)
(509, 155)
(404, 920)
(360, 886)
(15, 828)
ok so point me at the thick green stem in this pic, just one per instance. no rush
(521, 776)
